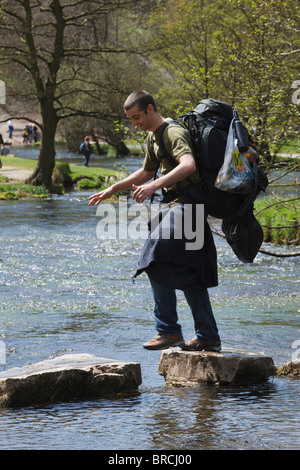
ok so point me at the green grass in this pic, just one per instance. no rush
(280, 219)
(90, 171)
(20, 191)
(290, 148)
(3, 179)
(25, 163)
(87, 177)
(76, 170)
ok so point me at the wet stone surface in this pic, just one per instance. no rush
(229, 366)
(66, 378)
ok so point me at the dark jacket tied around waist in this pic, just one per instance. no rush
(180, 251)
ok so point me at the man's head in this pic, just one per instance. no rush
(140, 107)
(140, 98)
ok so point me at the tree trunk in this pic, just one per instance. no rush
(95, 139)
(121, 149)
(42, 174)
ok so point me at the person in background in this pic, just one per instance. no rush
(35, 133)
(29, 128)
(86, 150)
(25, 135)
(10, 129)
(1, 143)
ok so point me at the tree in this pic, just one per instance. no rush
(114, 79)
(56, 42)
(245, 52)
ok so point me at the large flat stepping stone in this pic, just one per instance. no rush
(67, 378)
(183, 368)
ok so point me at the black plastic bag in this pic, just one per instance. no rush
(244, 234)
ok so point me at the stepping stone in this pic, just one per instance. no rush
(67, 378)
(229, 366)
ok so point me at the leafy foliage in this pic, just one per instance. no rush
(240, 51)
(280, 219)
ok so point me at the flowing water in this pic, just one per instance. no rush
(64, 291)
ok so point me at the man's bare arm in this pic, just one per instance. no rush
(185, 168)
(137, 178)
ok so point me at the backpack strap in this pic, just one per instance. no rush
(165, 154)
(162, 146)
(172, 162)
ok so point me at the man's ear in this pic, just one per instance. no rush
(150, 109)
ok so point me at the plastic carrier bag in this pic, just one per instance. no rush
(244, 234)
(237, 174)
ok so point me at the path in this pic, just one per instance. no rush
(15, 174)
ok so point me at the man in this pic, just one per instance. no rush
(168, 265)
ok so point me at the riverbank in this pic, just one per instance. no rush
(15, 171)
(280, 219)
(19, 125)
(278, 215)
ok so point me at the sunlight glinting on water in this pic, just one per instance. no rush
(65, 291)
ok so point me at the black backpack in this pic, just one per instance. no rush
(208, 125)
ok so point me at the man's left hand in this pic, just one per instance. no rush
(142, 192)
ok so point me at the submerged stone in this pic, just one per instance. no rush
(229, 366)
(66, 378)
(289, 368)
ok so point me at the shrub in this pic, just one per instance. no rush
(280, 219)
(88, 183)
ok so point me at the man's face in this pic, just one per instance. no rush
(140, 118)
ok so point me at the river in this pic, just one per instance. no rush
(64, 291)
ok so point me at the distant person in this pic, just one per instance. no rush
(34, 133)
(10, 129)
(1, 143)
(86, 150)
(4, 151)
(29, 128)
(25, 135)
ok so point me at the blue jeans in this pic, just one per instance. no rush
(165, 312)
(87, 158)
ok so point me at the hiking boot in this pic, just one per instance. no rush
(164, 341)
(197, 345)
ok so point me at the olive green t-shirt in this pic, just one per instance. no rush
(178, 143)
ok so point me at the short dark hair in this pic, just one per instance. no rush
(141, 98)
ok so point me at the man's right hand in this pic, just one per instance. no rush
(95, 199)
